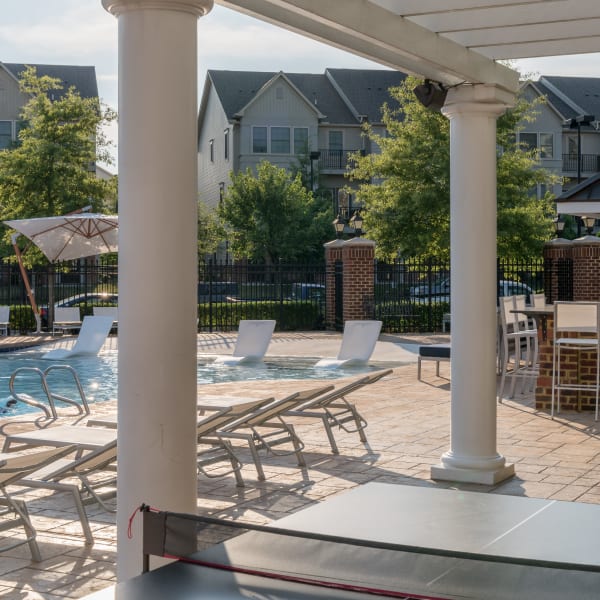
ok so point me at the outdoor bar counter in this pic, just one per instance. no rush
(580, 366)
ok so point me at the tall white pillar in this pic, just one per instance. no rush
(157, 262)
(473, 456)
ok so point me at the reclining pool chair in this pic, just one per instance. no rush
(89, 477)
(92, 336)
(13, 468)
(265, 428)
(251, 344)
(66, 318)
(358, 343)
(334, 410)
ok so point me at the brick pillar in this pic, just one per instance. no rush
(557, 253)
(586, 268)
(358, 256)
(333, 254)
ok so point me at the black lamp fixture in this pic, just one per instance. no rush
(576, 123)
(431, 94)
(589, 223)
(339, 223)
(559, 225)
(356, 222)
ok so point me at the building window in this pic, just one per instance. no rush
(546, 145)
(211, 150)
(280, 140)
(300, 140)
(5, 134)
(226, 143)
(279, 92)
(259, 140)
(336, 140)
(221, 192)
(528, 141)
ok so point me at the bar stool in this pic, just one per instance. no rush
(521, 344)
(575, 318)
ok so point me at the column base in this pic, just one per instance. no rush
(482, 476)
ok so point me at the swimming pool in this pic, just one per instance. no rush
(98, 375)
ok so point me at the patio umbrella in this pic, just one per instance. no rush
(68, 237)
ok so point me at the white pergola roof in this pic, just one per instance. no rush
(450, 41)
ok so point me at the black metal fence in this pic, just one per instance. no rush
(409, 295)
(414, 295)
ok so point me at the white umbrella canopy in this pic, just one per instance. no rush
(70, 236)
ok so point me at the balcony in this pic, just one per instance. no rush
(334, 160)
(590, 163)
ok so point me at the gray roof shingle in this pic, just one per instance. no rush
(366, 89)
(82, 78)
(584, 91)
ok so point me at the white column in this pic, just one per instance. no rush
(473, 456)
(157, 262)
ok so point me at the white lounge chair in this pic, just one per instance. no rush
(90, 477)
(66, 318)
(94, 332)
(4, 319)
(358, 343)
(13, 468)
(108, 311)
(252, 342)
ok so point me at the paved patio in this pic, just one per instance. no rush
(408, 431)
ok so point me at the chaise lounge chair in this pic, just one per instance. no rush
(108, 311)
(358, 343)
(4, 319)
(81, 477)
(92, 336)
(252, 342)
(334, 410)
(66, 318)
(13, 468)
(265, 428)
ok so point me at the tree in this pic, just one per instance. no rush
(270, 216)
(406, 188)
(48, 171)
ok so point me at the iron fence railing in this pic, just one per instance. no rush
(590, 163)
(408, 296)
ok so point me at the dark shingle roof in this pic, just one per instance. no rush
(366, 90)
(82, 78)
(583, 91)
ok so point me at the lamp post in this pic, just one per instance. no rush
(559, 226)
(315, 155)
(576, 123)
(339, 223)
(589, 223)
(356, 222)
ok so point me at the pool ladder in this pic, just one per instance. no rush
(49, 408)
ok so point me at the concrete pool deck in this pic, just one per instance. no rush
(408, 431)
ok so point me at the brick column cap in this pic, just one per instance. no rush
(587, 239)
(360, 242)
(333, 243)
(559, 242)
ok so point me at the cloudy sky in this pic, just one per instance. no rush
(81, 32)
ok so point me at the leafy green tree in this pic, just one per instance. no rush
(48, 171)
(270, 216)
(210, 231)
(407, 189)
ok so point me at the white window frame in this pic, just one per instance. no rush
(11, 134)
(272, 128)
(254, 128)
(304, 142)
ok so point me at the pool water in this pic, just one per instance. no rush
(98, 376)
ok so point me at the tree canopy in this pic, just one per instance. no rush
(406, 187)
(49, 170)
(271, 216)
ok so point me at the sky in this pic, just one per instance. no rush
(81, 32)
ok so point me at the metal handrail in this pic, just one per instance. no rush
(49, 409)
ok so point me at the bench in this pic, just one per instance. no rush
(436, 352)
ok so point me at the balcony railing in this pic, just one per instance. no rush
(590, 163)
(334, 159)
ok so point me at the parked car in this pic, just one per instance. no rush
(217, 291)
(94, 299)
(307, 291)
(440, 290)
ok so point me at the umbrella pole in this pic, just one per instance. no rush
(34, 307)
